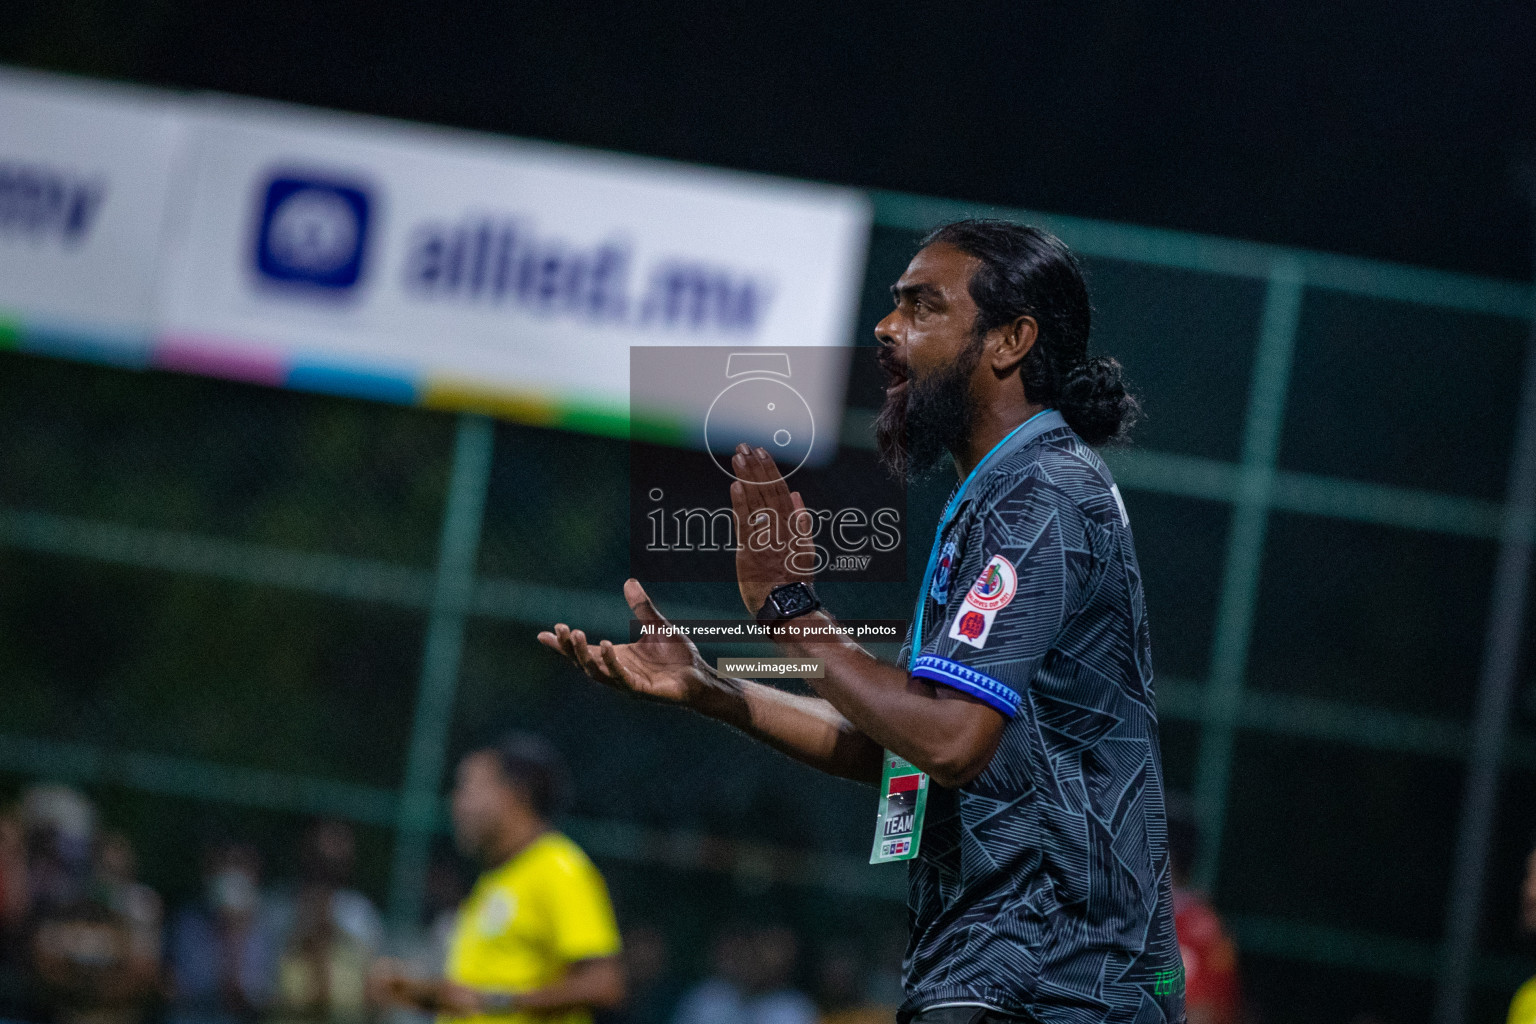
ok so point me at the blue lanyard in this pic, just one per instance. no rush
(950, 508)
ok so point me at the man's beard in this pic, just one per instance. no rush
(929, 419)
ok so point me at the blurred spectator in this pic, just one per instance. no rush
(752, 983)
(773, 998)
(223, 948)
(842, 989)
(327, 858)
(115, 884)
(424, 954)
(445, 890)
(329, 932)
(721, 998)
(60, 825)
(1212, 993)
(653, 989)
(96, 954)
(323, 973)
(1522, 1009)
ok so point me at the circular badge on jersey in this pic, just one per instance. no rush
(497, 914)
(996, 585)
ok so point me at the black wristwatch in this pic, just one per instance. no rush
(787, 601)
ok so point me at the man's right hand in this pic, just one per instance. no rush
(661, 666)
(390, 984)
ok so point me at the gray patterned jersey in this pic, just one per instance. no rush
(1042, 887)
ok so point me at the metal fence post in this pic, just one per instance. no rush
(1495, 692)
(417, 815)
(1245, 552)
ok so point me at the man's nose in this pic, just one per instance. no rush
(885, 330)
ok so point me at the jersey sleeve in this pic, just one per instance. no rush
(580, 912)
(1017, 578)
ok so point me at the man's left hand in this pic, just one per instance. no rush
(774, 546)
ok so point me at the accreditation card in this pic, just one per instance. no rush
(903, 799)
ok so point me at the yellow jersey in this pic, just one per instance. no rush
(526, 921)
(1522, 1009)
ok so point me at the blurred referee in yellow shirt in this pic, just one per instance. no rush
(536, 941)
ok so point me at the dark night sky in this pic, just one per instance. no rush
(1386, 128)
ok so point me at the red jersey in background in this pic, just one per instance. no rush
(1210, 961)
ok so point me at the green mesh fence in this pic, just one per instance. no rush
(224, 607)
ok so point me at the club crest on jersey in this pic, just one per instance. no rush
(939, 591)
(972, 624)
(996, 585)
(991, 592)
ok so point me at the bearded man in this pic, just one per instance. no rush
(1021, 716)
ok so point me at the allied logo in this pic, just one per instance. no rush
(996, 585)
(40, 203)
(313, 232)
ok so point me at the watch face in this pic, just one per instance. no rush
(793, 601)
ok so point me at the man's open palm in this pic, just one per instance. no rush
(660, 666)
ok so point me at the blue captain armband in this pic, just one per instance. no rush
(969, 682)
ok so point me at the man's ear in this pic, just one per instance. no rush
(1014, 340)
